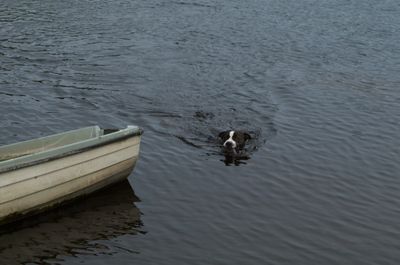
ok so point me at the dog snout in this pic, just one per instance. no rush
(229, 144)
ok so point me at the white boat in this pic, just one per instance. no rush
(42, 173)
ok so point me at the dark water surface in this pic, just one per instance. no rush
(317, 82)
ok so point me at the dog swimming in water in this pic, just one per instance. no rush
(233, 145)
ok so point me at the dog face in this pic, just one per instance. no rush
(234, 140)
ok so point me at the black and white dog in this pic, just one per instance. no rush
(233, 142)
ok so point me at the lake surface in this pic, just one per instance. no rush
(316, 82)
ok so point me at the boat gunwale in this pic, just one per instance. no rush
(65, 167)
(70, 149)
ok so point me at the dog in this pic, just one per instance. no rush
(233, 142)
(233, 146)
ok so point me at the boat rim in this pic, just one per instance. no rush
(69, 149)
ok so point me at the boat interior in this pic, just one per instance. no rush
(15, 150)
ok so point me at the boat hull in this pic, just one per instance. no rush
(32, 189)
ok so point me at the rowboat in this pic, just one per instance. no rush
(39, 174)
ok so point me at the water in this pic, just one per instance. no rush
(316, 82)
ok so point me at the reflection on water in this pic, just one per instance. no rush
(72, 229)
(232, 159)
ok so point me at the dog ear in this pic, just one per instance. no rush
(247, 136)
(223, 134)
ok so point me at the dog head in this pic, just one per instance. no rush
(234, 140)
